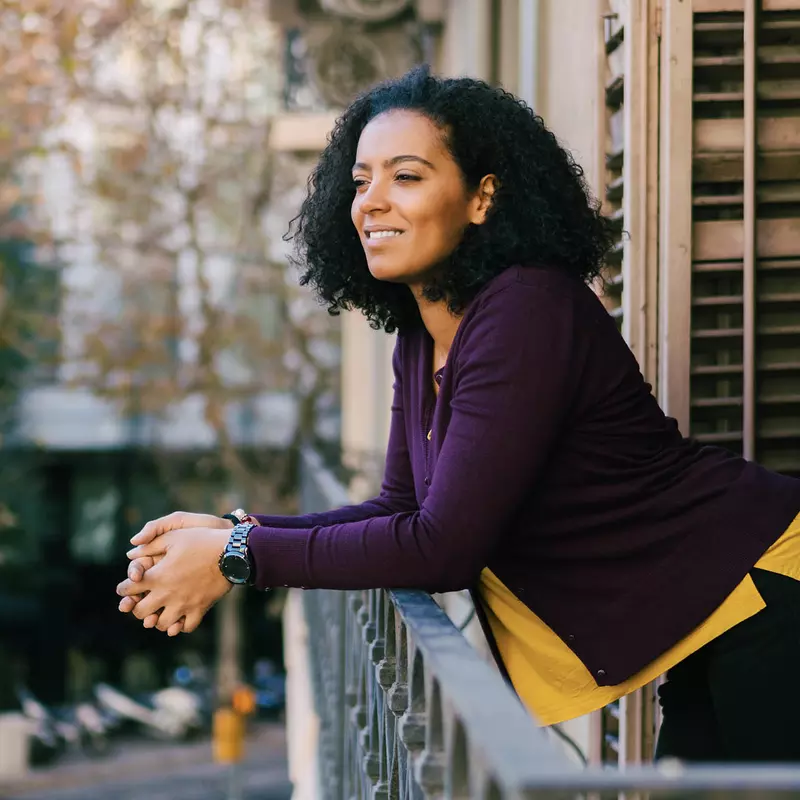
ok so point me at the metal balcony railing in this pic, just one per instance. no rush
(409, 710)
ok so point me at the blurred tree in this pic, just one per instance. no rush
(135, 135)
(207, 319)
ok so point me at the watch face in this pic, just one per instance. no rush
(235, 568)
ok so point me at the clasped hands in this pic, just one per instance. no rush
(174, 577)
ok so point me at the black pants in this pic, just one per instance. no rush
(737, 698)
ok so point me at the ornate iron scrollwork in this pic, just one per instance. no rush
(332, 57)
(345, 63)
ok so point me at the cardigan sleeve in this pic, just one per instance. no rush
(397, 489)
(510, 395)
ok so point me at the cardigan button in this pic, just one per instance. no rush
(601, 673)
(427, 481)
(571, 638)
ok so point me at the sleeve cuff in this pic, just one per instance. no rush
(279, 557)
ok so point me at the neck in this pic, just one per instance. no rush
(439, 323)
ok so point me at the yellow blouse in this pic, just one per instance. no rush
(552, 681)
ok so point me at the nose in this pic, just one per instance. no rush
(373, 199)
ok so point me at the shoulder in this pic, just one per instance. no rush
(528, 299)
(529, 282)
(535, 321)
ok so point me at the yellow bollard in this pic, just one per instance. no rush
(228, 736)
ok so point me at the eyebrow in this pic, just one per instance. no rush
(396, 160)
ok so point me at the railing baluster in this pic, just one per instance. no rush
(430, 768)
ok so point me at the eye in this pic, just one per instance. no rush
(403, 177)
(360, 183)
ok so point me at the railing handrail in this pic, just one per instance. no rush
(515, 751)
(670, 776)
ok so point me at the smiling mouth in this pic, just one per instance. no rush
(382, 234)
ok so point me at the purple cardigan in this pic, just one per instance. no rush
(550, 462)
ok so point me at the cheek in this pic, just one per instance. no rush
(445, 223)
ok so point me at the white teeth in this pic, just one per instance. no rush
(382, 234)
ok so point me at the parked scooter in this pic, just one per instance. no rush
(95, 727)
(47, 742)
(173, 713)
(80, 727)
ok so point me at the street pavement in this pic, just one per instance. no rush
(142, 770)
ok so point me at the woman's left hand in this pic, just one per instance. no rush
(185, 582)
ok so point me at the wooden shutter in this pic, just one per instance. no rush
(706, 284)
(745, 351)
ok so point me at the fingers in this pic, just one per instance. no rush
(129, 588)
(151, 604)
(192, 620)
(150, 621)
(154, 528)
(169, 617)
(139, 566)
(176, 627)
(127, 603)
(153, 550)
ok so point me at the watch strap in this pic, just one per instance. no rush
(238, 538)
(237, 543)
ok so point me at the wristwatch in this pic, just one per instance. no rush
(234, 563)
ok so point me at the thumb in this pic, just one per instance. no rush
(153, 529)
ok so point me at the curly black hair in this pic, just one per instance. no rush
(542, 211)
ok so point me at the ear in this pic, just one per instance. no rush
(484, 197)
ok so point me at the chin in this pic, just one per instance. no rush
(391, 273)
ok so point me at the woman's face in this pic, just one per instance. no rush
(411, 206)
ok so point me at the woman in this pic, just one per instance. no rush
(527, 459)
